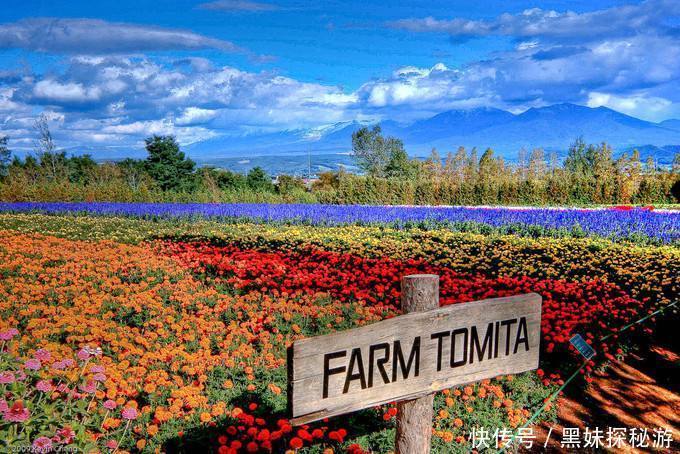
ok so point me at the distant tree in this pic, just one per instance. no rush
(5, 156)
(81, 169)
(471, 167)
(675, 190)
(45, 142)
(398, 165)
(522, 163)
(258, 180)
(32, 168)
(537, 166)
(288, 184)
(433, 163)
(52, 163)
(368, 148)
(650, 165)
(227, 179)
(104, 173)
(488, 166)
(133, 172)
(628, 173)
(676, 163)
(455, 164)
(577, 160)
(553, 161)
(650, 190)
(167, 165)
(327, 181)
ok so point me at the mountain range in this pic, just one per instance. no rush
(553, 128)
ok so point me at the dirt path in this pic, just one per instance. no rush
(643, 391)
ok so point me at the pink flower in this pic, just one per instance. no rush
(99, 377)
(3, 406)
(42, 355)
(87, 351)
(42, 444)
(17, 413)
(63, 364)
(129, 413)
(20, 375)
(66, 434)
(110, 404)
(63, 388)
(111, 444)
(7, 377)
(8, 334)
(33, 364)
(44, 386)
(97, 369)
(89, 387)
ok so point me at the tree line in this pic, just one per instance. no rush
(589, 175)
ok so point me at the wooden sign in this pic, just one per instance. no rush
(412, 355)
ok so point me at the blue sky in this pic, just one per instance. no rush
(109, 73)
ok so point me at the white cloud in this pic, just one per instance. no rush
(94, 36)
(132, 98)
(165, 126)
(634, 69)
(196, 115)
(52, 91)
(612, 22)
(651, 108)
(6, 103)
(559, 57)
(238, 5)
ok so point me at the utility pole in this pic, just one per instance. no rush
(309, 164)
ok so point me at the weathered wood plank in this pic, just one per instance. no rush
(410, 356)
(419, 293)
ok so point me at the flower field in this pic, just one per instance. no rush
(618, 222)
(170, 334)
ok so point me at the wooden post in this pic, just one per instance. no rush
(419, 292)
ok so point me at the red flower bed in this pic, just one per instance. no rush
(592, 308)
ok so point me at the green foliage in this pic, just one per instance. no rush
(167, 165)
(289, 185)
(81, 169)
(229, 180)
(589, 176)
(5, 156)
(399, 165)
(379, 156)
(258, 180)
(675, 190)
